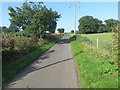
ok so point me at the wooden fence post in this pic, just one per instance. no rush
(97, 42)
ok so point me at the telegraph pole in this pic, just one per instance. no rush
(74, 17)
(26, 1)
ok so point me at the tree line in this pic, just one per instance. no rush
(89, 25)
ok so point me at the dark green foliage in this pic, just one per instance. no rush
(89, 24)
(73, 38)
(61, 30)
(34, 18)
(13, 28)
(4, 29)
(72, 31)
(110, 23)
(53, 37)
(77, 31)
(15, 46)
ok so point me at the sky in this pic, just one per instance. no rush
(100, 10)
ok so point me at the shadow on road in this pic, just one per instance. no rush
(34, 67)
(73, 38)
(45, 55)
(64, 41)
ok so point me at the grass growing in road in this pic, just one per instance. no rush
(94, 65)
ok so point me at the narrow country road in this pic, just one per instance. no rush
(54, 69)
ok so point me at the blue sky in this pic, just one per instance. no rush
(100, 10)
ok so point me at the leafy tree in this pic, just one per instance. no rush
(88, 24)
(13, 28)
(61, 30)
(110, 23)
(22, 16)
(34, 18)
(44, 21)
(102, 28)
(10, 29)
(72, 31)
(77, 31)
(5, 29)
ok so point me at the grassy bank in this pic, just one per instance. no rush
(95, 66)
(11, 68)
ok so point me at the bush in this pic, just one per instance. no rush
(52, 37)
(14, 46)
(8, 43)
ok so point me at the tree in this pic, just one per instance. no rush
(34, 18)
(77, 31)
(102, 28)
(21, 17)
(61, 30)
(88, 24)
(72, 31)
(13, 28)
(5, 29)
(44, 21)
(110, 23)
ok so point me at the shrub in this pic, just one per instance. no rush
(52, 37)
(8, 43)
(15, 46)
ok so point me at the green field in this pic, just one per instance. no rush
(104, 39)
(96, 67)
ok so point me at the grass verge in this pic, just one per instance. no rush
(94, 65)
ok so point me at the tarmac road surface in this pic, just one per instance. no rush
(54, 69)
